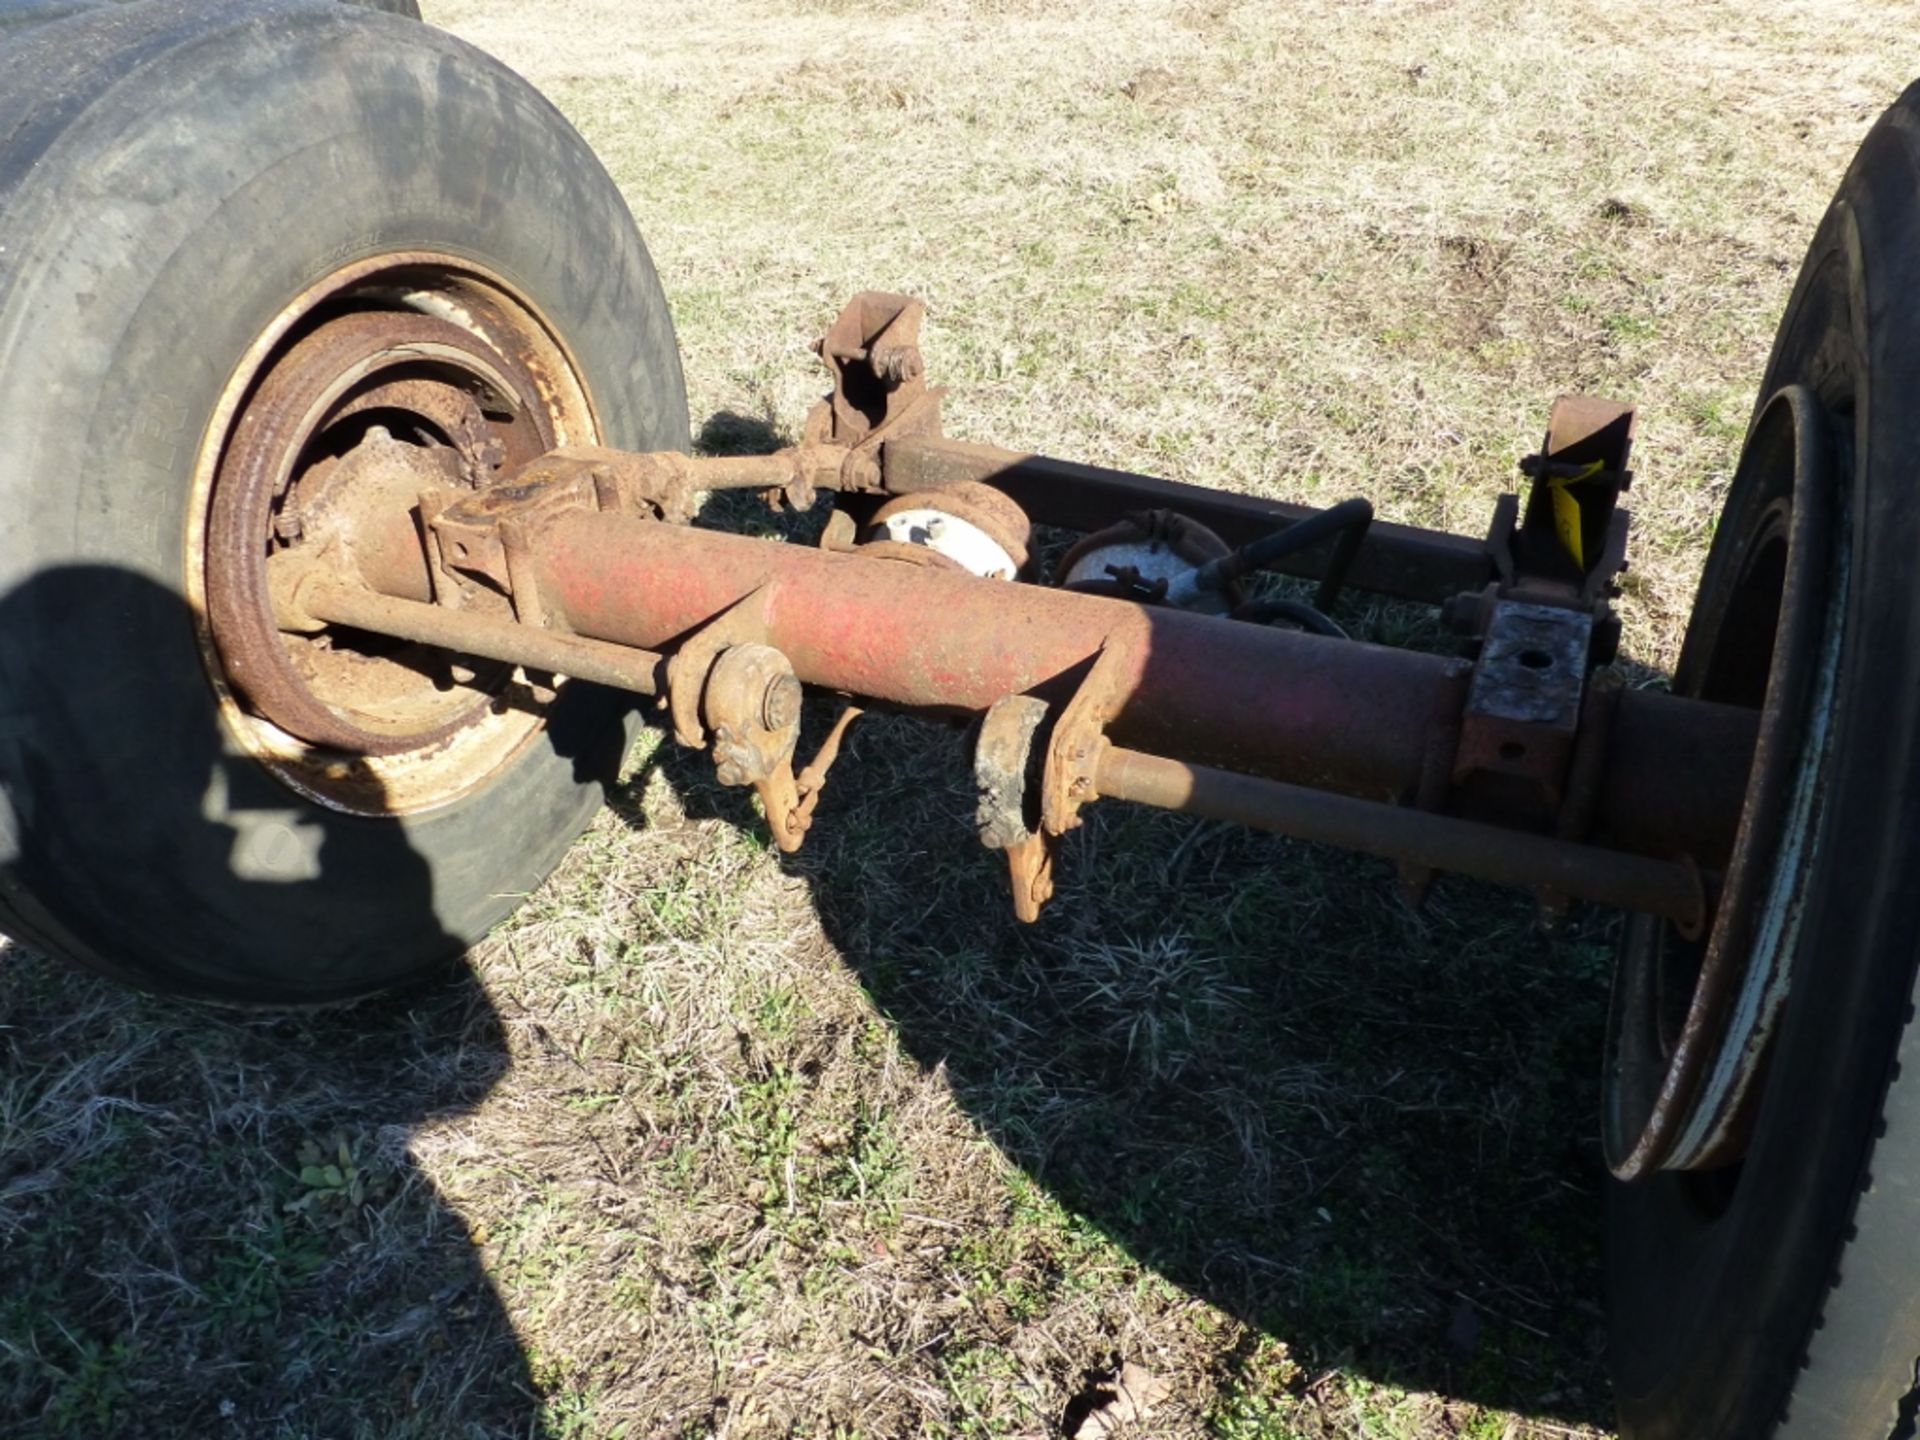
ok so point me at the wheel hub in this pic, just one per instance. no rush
(391, 381)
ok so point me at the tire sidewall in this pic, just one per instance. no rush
(1793, 1313)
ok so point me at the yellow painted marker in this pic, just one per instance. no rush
(1566, 509)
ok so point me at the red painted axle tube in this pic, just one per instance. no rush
(1335, 715)
(1339, 716)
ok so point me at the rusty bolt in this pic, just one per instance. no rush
(896, 364)
(781, 705)
(861, 472)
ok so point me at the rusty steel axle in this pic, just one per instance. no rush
(1667, 888)
(323, 602)
(1402, 561)
(1122, 679)
(1342, 716)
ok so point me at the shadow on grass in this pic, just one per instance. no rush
(190, 1193)
(209, 1220)
(1367, 1133)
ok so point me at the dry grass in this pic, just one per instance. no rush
(713, 1143)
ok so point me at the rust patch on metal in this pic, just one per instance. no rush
(1524, 704)
(1467, 847)
(277, 465)
(981, 506)
(752, 702)
(415, 407)
(693, 660)
(872, 350)
(1006, 773)
(1008, 765)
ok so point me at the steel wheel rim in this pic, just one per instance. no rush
(1692, 1020)
(394, 338)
